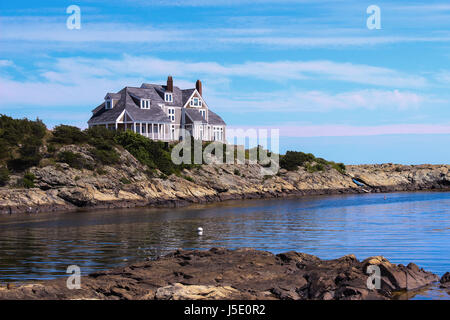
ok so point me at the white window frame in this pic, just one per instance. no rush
(168, 97)
(171, 114)
(108, 104)
(203, 113)
(219, 132)
(145, 103)
(198, 100)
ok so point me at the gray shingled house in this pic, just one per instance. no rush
(159, 112)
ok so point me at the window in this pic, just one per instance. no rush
(171, 112)
(203, 113)
(108, 104)
(196, 102)
(218, 133)
(168, 97)
(145, 104)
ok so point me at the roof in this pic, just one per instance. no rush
(195, 115)
(128, 99)
(214, 118)
(126, 102)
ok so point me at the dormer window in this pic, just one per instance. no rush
(145, 104)
(203, 113)
(168, 97)
(108, 104)
(196, 102)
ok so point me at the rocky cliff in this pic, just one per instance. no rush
(127, 184)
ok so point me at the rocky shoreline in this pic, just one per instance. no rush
(221, 274)
(58, 187)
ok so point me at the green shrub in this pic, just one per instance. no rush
(28, 180)
(106, 157)
(20, 141)
(154, 154)
(64, 134)
(188, 178)
(4, 176)
(51, 148)
(293, 159)
(339, 167)
(237, 172)
(74, 160)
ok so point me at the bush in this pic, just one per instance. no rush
(28, 180)
(154, 154)
(74, 160)
(20, 141)
(237, 172)
(69, 135)
(293, 159)
(4, 176)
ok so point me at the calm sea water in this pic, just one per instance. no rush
(404, 227)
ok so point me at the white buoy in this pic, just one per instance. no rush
(200, 231)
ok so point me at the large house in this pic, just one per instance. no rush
(159, 112)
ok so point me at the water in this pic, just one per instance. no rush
(404, 227)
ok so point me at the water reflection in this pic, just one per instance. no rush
(405, 227)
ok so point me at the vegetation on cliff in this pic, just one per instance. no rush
(25, 143)
(293, 159)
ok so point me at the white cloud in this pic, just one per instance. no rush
(84, 81)
(319, 101)
(276, 71)
(6, 63)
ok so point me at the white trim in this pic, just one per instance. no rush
(145, 104)
(203, 100)
(168, 94)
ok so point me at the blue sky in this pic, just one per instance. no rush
(311, 68)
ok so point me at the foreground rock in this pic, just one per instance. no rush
(239, 274)
(126, 184)
(445, 282)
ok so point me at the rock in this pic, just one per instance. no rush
(399, 277)
(445, 281)
(235, 274)
(60, 187)
(179, 291)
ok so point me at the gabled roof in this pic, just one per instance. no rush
(129, 99)
(126, 102)
(115, 96)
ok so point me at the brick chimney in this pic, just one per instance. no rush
(169, 84)
(198, 86)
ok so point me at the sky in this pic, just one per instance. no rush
(310, 68)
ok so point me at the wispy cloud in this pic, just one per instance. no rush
(6, 63)
(83, 81)
(320, 101)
